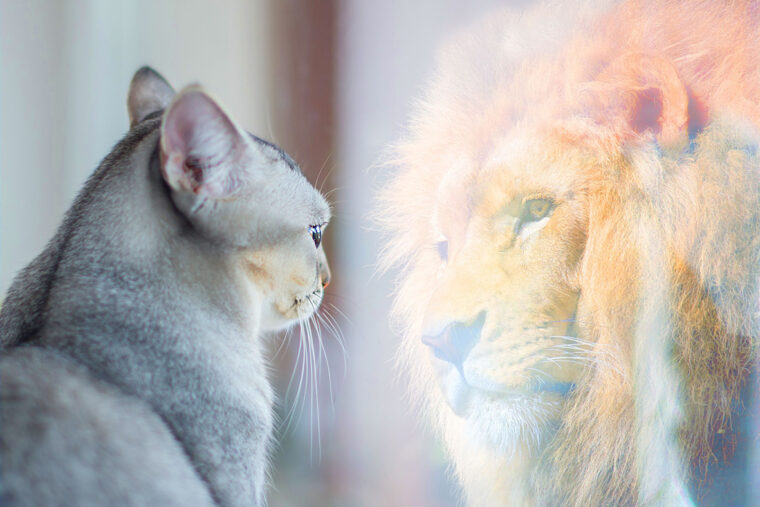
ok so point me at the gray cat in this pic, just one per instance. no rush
(132, 367)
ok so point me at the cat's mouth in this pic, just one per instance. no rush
(285, 311)
(303, 304)
(306, 305)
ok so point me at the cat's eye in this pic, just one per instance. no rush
(316, 234)
(535, 209)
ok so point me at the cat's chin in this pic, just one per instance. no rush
(276, 318)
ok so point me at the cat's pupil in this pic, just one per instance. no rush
(316, 234)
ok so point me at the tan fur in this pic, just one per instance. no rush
(653, 246)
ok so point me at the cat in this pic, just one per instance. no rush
(132, 366)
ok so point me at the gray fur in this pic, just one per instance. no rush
(63, 411)
(148, 92)
(132, 368)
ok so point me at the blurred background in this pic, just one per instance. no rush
(331, 82)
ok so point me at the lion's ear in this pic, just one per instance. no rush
(643, 93)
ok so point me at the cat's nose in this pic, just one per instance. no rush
(324, 275)
(456, 340)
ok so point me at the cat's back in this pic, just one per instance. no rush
(25, 307)
(56, 416)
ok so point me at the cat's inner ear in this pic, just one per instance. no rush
(202, 150)
(148, 92)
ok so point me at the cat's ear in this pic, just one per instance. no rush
(148, 92)
(202, 150)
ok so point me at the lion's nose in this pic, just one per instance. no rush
(456, 340)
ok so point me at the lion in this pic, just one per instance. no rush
(575, 219)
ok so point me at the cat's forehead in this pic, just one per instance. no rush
(317, 207)
(274, 151)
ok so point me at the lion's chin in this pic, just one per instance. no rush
(509, 422)
(504, 417)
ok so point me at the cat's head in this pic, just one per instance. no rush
(240, 193)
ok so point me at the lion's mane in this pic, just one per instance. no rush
(666, 94)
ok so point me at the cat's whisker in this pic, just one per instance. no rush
(314, 415)
(305, 366)
(310, 386)
(343, 315)
(332, 326)
(312, 322)
(291, 413)
(315, 357)
(293, 373)
(323, 352)
(329, 193)
(284, 342)
(315, 319)
(299, 402)
(334, 321)
(327, 176)
(335, 297)
(304, 322)
(338, 219)
(272, 135)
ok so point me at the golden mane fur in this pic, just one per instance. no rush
(661, 101)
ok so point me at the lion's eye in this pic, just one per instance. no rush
(316, 234)
(443, 249)
(535, 209)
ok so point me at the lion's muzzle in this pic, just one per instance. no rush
(455, 341)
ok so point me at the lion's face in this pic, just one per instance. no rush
(500, 281)
(577, 234)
